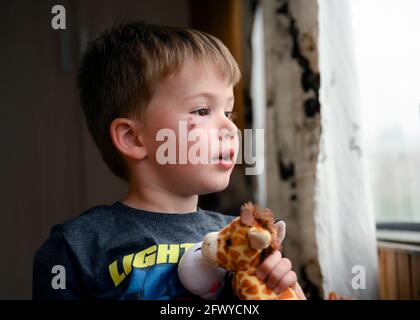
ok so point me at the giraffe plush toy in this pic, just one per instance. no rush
(241, 247)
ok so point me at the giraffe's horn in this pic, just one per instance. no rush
(247, 214)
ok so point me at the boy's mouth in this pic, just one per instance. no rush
(225, 158)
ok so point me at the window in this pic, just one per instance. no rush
(387, 55)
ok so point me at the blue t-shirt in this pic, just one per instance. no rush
(119, 252)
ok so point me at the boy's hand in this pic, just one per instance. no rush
(277, 273)
(275, 270)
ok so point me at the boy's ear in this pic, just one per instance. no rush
(127, 139)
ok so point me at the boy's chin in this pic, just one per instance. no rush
(215, 185)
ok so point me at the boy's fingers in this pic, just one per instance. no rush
(268, 265)
(278, 273)
(288, 281)
(281, 230)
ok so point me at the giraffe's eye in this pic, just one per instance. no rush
(229, 242)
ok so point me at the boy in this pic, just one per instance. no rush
(136, 81)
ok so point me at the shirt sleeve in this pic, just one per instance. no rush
(56, 272)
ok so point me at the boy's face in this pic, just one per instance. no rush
(195, 101)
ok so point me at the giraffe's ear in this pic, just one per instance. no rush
(281, 230)
(259, 238)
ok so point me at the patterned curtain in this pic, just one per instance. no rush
(293, 129)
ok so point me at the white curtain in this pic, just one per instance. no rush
(344, 217)
(258, 97)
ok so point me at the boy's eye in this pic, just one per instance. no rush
(231, 115)
(202, 111)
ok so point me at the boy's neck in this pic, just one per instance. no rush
(158, 200)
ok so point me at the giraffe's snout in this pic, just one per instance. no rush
(209, 247)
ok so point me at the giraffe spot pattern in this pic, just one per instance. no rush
(267, 290)
(222, 258)
(246, 283)
(237, 241)
(252, 289)
(249, 253)
(234, 254)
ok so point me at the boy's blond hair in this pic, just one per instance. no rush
(122, 66)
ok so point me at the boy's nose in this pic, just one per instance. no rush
(226, 133)
(228, 130)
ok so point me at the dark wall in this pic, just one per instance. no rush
(50, 168)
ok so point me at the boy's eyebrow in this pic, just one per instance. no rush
(207, 95)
